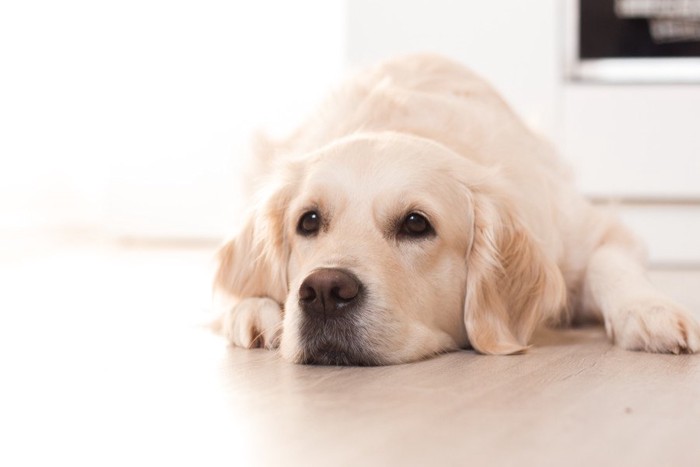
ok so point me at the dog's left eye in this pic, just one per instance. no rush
(309, 224)
(416, 226)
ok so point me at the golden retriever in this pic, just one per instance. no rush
(415, 214)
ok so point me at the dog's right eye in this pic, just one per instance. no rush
(309, 224)
(415, 226)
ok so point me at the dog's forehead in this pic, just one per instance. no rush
(381, 179)
(381, 164)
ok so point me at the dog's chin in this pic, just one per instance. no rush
(327, 345)
(341, 340)
(332, 354)
(348, 342)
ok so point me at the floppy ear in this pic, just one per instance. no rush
(511, 284)
(254, 262)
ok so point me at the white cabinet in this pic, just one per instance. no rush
(634, 141)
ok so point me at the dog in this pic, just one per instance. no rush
(414, 214)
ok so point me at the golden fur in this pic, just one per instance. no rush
(514, 244)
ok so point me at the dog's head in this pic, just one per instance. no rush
(390, 248)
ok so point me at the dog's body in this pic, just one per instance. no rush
(415, 214)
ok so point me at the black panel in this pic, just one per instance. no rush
(604, 35)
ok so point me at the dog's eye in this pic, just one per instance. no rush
(309, 224)
(415, 226)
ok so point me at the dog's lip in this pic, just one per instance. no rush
(330, 349)
(333, 354)
(328, 353)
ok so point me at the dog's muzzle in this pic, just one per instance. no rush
(330, 300)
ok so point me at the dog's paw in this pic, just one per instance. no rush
(655, 325)
(253, 323)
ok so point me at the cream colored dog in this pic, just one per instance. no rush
(415, 214)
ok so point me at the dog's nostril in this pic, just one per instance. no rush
(346, 291)
(307, 293)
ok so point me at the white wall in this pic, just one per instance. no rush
(133, 115)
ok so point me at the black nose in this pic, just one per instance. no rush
(329, 292)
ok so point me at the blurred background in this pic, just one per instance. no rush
(130, 120)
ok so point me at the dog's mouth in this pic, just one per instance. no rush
(335, 342)
(331, 354)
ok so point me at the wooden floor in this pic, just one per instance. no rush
(104, 363)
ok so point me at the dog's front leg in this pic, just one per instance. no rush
(251, 323)
(637, 315)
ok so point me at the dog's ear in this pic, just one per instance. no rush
(254, 262)
(511, 284)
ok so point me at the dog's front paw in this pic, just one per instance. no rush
(655, 325)
(253, 323)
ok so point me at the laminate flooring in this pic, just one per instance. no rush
(104, 361)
